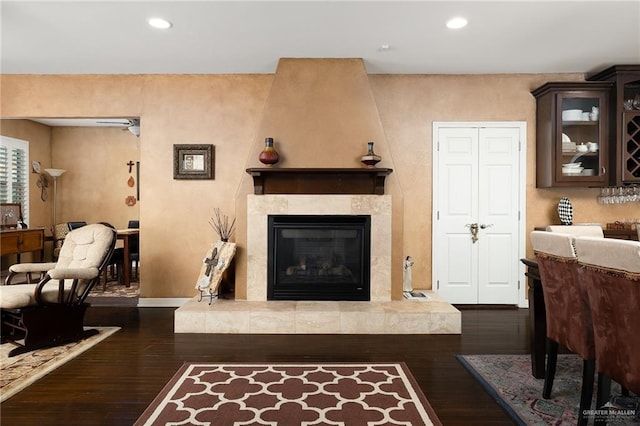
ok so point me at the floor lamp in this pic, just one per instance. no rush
(55, 174)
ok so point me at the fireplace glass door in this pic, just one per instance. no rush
(315, 257)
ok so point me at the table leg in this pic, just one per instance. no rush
(126, 267)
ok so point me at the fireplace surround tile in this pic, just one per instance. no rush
(259, 207)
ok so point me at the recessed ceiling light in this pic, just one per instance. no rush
(384, 47)
(160, 23)
(456, 23)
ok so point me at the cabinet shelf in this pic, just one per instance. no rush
(580, 123)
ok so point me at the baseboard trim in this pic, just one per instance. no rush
(161, 302)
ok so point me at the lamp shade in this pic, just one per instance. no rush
(55, 172)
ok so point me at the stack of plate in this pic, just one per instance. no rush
(572, 115)
(572, 168)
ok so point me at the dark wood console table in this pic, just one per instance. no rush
(273, 180)
(17, 241)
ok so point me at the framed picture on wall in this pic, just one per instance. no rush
(193, 161)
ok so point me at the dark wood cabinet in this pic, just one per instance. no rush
(624, 116)
(17, 241)
(573, 136)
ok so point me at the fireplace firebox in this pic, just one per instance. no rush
(319, 257)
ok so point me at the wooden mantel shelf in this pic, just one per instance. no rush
(273, 180)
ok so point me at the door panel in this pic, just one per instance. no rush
(478, 182)
(458, 208)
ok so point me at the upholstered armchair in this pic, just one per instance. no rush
(567, 310)
(610, 269)
(51, 311)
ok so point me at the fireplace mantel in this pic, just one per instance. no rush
(271, 180)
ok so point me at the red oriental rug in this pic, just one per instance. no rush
(291, 394)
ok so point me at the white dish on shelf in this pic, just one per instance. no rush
(565, 138)
(572, 115)
(571, 165)
(572, 172)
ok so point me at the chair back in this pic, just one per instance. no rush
(578, 230)
(610, 268)
(566, 300)
(60, 231)
(134, 240)
(76, 225)
(90, 246)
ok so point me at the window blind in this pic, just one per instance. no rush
(14, 173)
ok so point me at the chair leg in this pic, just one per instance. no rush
(603, 396)
(588, 373)
(550, 374)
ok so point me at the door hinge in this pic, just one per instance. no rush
(518, 214)
(518, 284)
(438, 285)
(438, 215)
(519, 146)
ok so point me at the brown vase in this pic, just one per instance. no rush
(370, 158)
(269, 155)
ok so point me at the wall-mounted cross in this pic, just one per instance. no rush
(130, 164)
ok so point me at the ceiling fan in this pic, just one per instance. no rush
(132, 125)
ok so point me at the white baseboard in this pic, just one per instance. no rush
(161, 302)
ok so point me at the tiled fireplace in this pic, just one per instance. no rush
(375, 207)
(258, 315)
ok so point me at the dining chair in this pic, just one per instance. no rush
(567, 310)
(578, 230)
(76, 225)
(610, 268)
(134, 244)
(60, 231)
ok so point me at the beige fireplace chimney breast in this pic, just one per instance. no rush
(321, 114)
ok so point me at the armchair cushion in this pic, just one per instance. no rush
(85, 247)
(23, 295)
(74, 273)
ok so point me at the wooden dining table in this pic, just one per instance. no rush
(537, 310)
(125, 235)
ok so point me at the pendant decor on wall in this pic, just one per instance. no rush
(131, 182)
(565, 211)
(130, 201)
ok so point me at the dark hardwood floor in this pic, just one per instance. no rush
(112, 383)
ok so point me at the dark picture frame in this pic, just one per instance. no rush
(193, 161)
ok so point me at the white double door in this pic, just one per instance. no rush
(477, 229)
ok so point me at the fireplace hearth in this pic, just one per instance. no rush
(319, 257)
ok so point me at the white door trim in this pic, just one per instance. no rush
(523, 302)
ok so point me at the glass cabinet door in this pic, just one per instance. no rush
(630, 149)
(582, 140)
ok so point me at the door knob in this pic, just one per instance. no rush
(473, 227)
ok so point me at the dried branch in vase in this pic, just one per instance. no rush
(220, 224)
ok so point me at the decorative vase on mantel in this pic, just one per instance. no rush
(370, 159)
(269, 155)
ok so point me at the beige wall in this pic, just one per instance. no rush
(94, 186)
(226, 110)
(39, 138)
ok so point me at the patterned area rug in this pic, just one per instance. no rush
(291, 394)
(18, 372)
(115, 289)
(508, 379)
